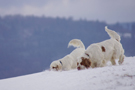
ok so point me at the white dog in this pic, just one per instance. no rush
(69, 61)
(97, 55)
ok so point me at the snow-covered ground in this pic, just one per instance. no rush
(118, 77)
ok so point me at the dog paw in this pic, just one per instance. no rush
(120, 62)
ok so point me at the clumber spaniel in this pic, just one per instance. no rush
(69, 61)
(98, 54)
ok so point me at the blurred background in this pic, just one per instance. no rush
(33, 33)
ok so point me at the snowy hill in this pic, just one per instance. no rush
(119, 77)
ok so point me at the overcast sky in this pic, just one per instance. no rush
(110, 11)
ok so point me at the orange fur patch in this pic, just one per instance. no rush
(103, 49)
(56, 67)
(77, 64)
(86, 62)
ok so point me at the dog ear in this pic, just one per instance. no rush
(88, 63)
(59, 66)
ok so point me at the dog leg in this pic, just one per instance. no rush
(103, 63)
(94, 65)
(121, 59)
(97, 64)
(113, 61)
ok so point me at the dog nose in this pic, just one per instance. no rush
(78, 68)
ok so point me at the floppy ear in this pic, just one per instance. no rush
(88, 63)
(59, 66)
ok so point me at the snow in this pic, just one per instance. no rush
(118, 77)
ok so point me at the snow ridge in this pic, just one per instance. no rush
(118, 77)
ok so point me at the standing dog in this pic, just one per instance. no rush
(98, 54)
(69, 61)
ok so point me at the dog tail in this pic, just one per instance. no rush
(113, 34)
(76, 43)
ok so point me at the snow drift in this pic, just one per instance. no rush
(118, 77)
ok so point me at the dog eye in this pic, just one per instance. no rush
(81, 63)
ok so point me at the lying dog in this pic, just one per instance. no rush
(98, 54)
(69, 61)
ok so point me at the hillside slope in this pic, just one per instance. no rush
(119, 77)
(28, 44)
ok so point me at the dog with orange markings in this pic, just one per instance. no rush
(69, 61)
(98, 54)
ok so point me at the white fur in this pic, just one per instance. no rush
(112, 34)
(69, 61)
(76, 43)
(99, 58)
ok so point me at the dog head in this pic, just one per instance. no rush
(56, 66)
(84, 62)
